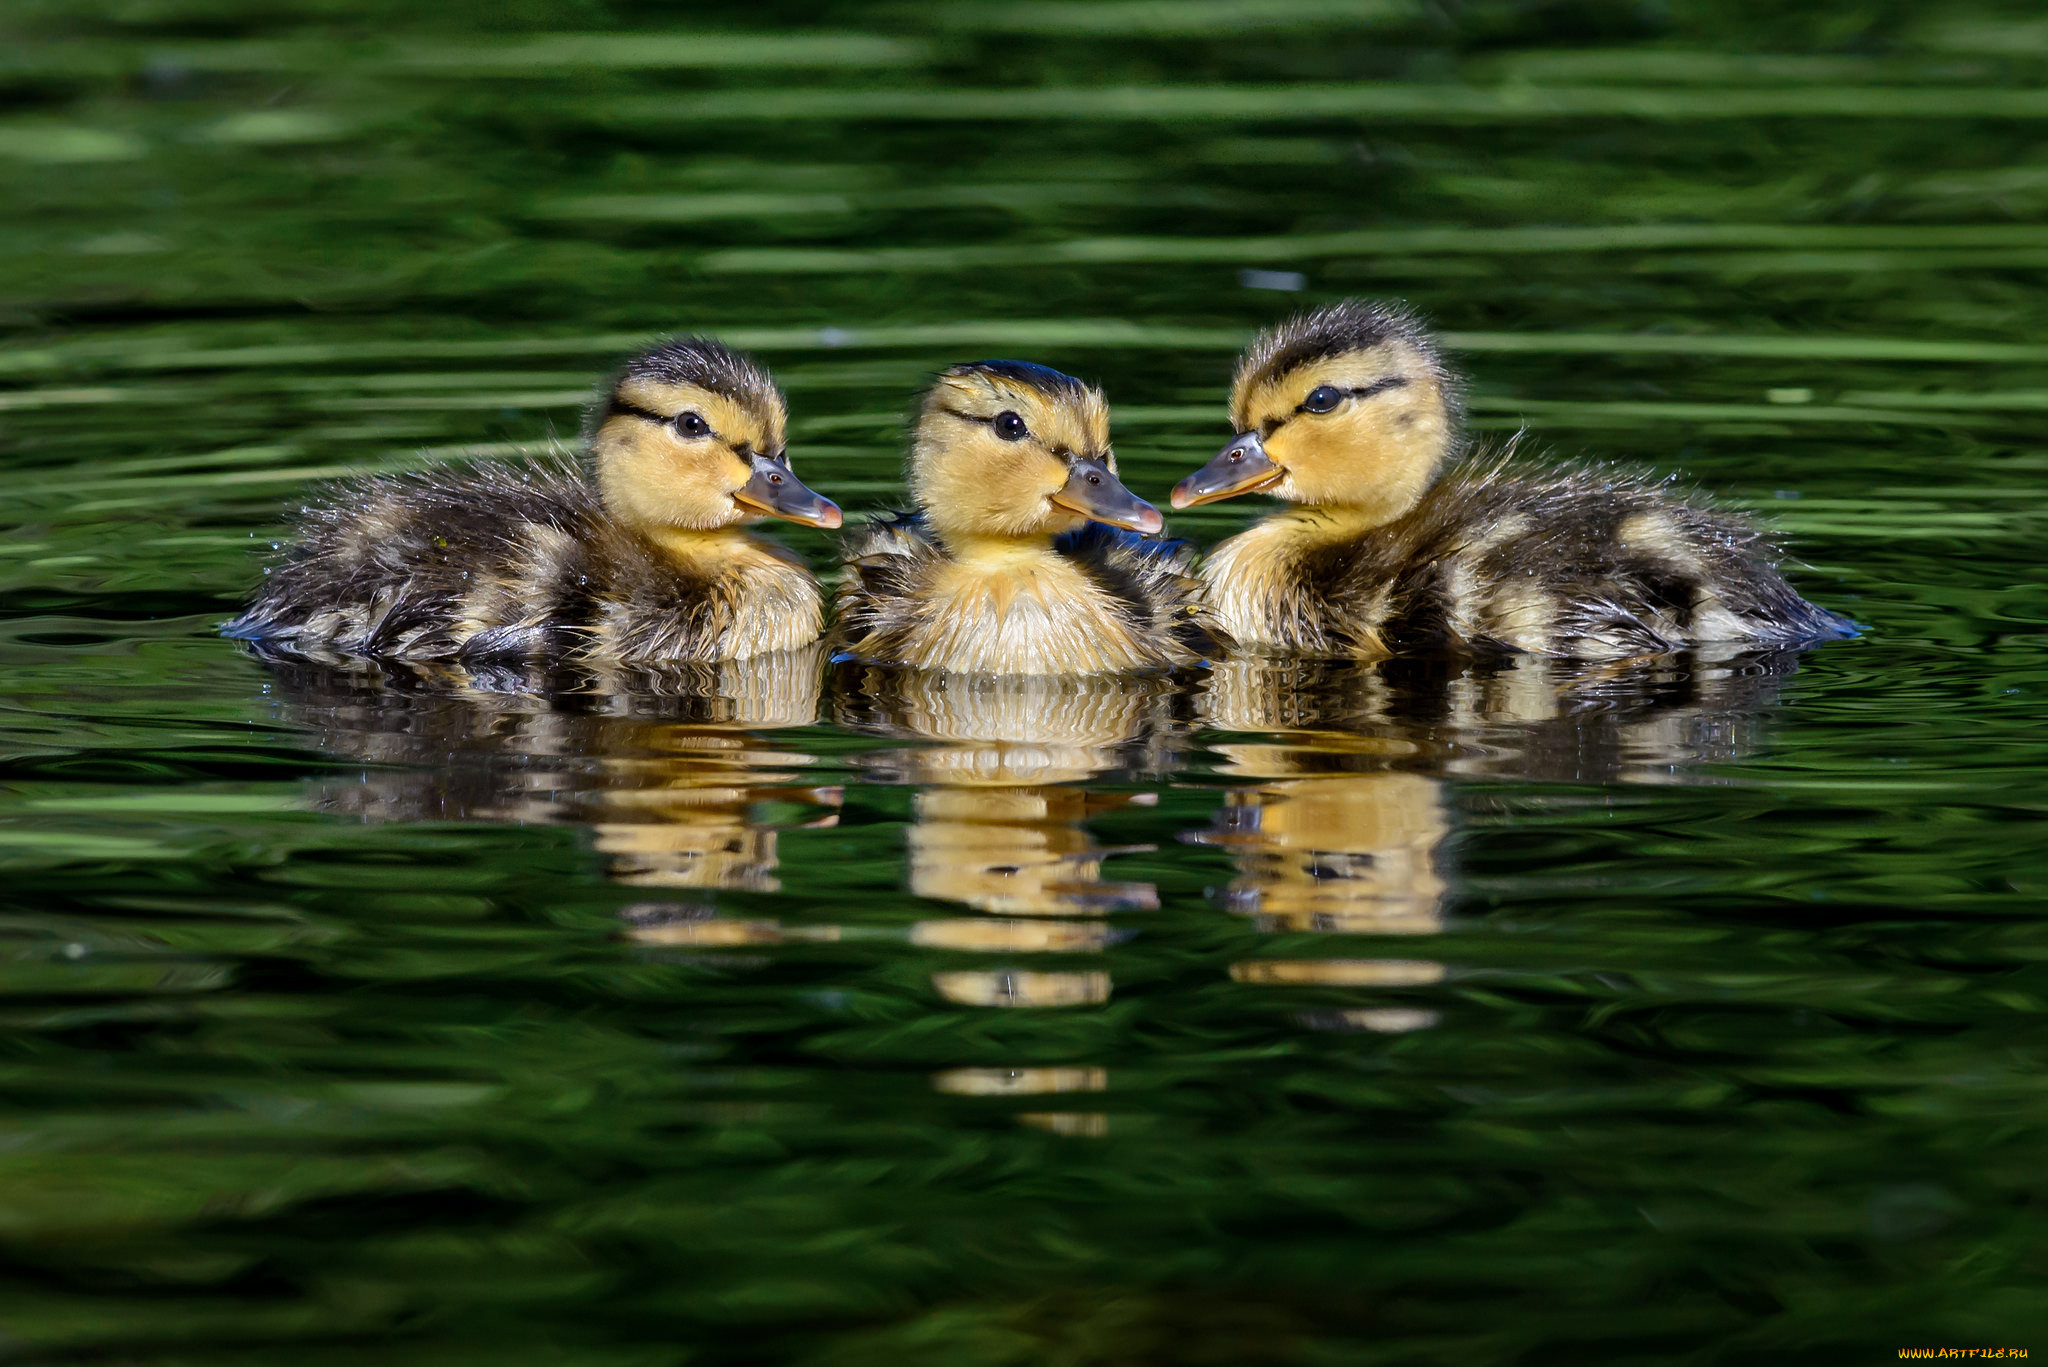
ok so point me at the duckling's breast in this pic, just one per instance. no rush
(729, 598)
(1263, 595)
(1043, 616)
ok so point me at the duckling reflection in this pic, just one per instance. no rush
(1018, 852)
(1019, 1081)
(1523, 717)
(1020, 988)
(1011, 1083)
(996, 730)
(1328, 839)
(1342, 825)
(666, 768)
(1000, 826)
(999, 822)
(1331, 840)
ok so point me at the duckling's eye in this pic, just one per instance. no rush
(1322, 398)
(691, 425)
(1009, 426)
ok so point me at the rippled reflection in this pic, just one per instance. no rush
(682, 926)
(999, 820)
(987, 935)
(1338, 824)
(1000, 826)
(1319, 848)
(1340, 972)
(1524, 717)
(1006, 1083)
(1384, 1020)
(667, 769)
(1019, 851)
(1021, 987)
(1019, 1081)
(1006, 731)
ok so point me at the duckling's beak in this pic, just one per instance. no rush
(1094, 491)
(1238, 468)
(776, 491)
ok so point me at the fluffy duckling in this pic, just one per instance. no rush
(1406, 540)
(637, 556)
(1027, 556)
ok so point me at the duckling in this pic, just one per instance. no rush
(638, 555)
(1408, 540)
(1028, 554)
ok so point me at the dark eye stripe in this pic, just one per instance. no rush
(1379, 386)
(1063, 452)
(618, 407)
(988, 422)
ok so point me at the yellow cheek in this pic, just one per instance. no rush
(697, 481)
(1303, 447)
(1050, 475)
(1009, 473)
(1323, 456)
(728, 470)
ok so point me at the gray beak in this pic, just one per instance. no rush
(776, 491)
(1239, 468)
(1094, 491)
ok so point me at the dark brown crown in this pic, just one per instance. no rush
(692, 360)
(705, 363)
(1052, 383)
(1336, 330)
(1332, 330)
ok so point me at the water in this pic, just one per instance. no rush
(1303, 1015)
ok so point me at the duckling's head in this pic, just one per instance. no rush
(1011, 450)
(1348, 406)
(690, 438)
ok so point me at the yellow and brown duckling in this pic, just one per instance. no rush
(1028, 555)
(637, 555)
(1406, 540)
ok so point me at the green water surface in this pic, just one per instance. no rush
(1302, 1015)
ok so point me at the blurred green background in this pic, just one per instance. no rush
(1425, 1014)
